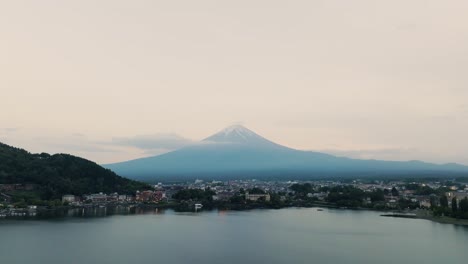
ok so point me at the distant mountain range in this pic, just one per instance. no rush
(237, 152)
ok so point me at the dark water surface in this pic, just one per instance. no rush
(259, 236)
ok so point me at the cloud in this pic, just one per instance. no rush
(155, 142)
(9, 130)
(82, 147)
(75, 143)
(6, 132)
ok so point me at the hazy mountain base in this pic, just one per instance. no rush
(238, 153)
(287, 175)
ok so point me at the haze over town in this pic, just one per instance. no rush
(118, 80)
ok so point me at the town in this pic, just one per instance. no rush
(439, 197)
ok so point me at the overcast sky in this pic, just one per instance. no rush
(116, 80)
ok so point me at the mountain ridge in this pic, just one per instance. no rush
(238, 150)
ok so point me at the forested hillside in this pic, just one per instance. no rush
(55, 175)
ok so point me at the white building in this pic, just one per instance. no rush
(255, 197)
(68, 198)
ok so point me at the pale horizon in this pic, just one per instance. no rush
(117, 80)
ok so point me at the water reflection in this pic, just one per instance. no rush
(98, 211)
(229, 237)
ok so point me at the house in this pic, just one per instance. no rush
(424, 201)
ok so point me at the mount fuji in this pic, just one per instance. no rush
(237, 152)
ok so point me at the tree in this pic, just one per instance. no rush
(302, 188)
(395, 192)
(194, 194)
(454, 205)
(55, 175)
(464, 205)
(256, 190)
(346, 196)
(444, 201)
(377, 195)
(433, 200)
(237, 199)
(424, 190)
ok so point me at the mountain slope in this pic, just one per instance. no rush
(60, 174)
(239, 152)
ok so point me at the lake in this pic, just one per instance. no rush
(290, 235)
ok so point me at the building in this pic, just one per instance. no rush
(97, 197)
(424, 202)
(126, 198)
(256, 197)
(150, 196)
(68, 198)
(114, 197)
(457, 195)
(223, 196)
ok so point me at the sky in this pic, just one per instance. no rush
(115, 80)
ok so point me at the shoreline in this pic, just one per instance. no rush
(64, 211)
(426, 216)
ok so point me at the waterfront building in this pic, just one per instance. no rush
(255, 197)
(97, 197)
(68, 198)
(150, 196)
(460, 195)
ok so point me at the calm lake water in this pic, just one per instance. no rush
(259, 236)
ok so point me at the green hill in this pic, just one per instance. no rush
(52, 176)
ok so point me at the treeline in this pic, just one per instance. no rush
(426, 190)
(350, 196)
(186, 198)
(457, 209)
(194, 194)
(56, 175)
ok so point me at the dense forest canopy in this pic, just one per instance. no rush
(59, 174)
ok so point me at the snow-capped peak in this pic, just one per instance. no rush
(238, 131)
(238, 134)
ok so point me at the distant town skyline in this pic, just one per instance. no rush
(117, 80)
